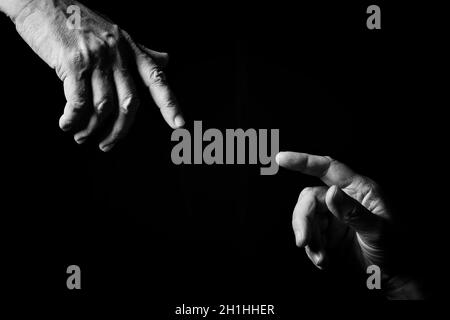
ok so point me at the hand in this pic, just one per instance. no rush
(96, 60)
(347, 221)
(347, 217)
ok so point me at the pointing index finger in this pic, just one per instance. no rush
(330, 171)
(154, 78)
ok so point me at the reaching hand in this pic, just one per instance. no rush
(349, 212)
(347, 221)
(95, 60)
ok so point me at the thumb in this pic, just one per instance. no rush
(354, 214)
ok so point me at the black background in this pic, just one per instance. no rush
(139, 226)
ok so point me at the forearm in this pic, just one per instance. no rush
(13, 7)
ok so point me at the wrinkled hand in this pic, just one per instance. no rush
(95, 60)
(348, 216)
(346, 222)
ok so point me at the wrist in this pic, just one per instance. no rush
(13, 8)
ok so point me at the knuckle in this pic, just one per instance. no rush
(61, 71)
(101, 106)
(77, 60)
(332, 163)
(113, 42)
(142, 56)
(98, 50)
(115, 30)
(372, 185)
(129, 104)
(76, 107)
(157, 76)
(367, 189)
(113, 36)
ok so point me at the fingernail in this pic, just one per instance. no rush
(278, 157)
(64, 125)
(80, 139)
(101, 107)
(179, 121)
(319, 259)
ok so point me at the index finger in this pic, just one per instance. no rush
(330, 171)
(155, 79)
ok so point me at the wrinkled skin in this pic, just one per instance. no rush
(95, 60)
(349, 212)
(345, 222)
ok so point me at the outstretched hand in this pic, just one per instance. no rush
(96, 60)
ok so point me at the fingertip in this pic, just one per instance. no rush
(173, 117)
(331, 192)
(287, 159)
(178, 121)
(64, 124)
(335, 201)
(299, 239)
(319, 259)
(279, 157)
(332, 196)
(106, 148)
(79, 139)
